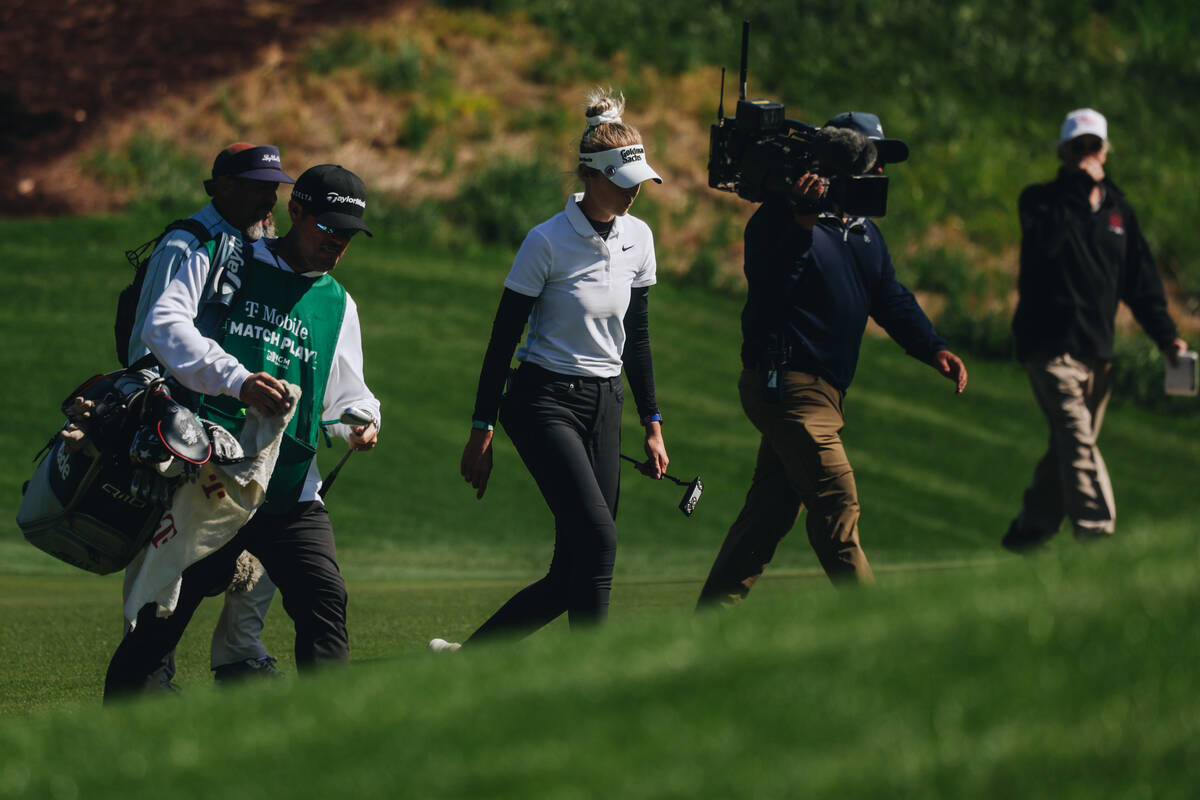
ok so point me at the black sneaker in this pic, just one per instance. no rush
(160, 682)
(249, 669)
(1018, 540)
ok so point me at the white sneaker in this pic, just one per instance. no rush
(442, 646)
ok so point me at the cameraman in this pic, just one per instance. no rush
(813, 279)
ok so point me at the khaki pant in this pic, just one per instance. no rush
(1071, 479)
(801, 464)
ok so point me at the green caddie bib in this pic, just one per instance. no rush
(286, 325)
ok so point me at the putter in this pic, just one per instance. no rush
(351, 416)
(694, 489)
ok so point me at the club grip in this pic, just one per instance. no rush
(665, 475)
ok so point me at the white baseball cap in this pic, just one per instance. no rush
(1081, 122)
(624, 166)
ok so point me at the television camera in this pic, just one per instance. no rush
(759, 152)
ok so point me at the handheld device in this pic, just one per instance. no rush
(1182, 378)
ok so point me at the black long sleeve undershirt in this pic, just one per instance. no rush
(639, 366)
(511, 316)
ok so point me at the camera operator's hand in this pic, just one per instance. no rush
(806, 199)
(476, 464)
(952, 367)
(810, 187)
(656, 451)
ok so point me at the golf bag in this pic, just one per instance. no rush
(130, 438)
(96, 497)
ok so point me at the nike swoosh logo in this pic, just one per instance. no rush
(625, 247)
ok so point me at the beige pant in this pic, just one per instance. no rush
(1071, 479)
(801, 464)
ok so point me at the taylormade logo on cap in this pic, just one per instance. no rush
(334, 197)
(331, 198)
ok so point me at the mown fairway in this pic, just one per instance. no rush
(965, 672)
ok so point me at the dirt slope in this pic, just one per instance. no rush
(69, 67)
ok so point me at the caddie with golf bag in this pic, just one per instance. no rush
(243, 187)
(291, 346)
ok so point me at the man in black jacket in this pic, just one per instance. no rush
(813, 279)
(1081, 252)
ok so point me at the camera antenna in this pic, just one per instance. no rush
(745, 56)
(721, 100)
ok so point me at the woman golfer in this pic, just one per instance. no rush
(581, 279)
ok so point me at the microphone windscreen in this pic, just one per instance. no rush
(845, 151)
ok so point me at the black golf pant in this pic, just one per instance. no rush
(297, 550)
(567, 430)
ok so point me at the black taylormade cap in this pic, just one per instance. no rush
(334, 195)
(891, 151)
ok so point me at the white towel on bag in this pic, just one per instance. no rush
(207, 512)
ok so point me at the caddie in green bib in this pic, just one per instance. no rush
(286, 325)
(283, 320)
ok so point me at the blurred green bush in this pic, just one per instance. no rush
(392, 66)
(500, 203)
(161, 177)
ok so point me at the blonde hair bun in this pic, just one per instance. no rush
(603, 108)
(605, 128)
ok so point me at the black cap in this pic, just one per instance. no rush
(334, 195)
(259, 163)
(892, 151)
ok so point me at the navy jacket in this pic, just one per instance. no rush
(814, 292)
(1076, 264)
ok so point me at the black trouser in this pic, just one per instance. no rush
(298, 552)
(567, 430)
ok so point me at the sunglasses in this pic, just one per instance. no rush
(341, 233)
(1084, 147)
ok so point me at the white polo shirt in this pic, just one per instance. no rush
(582, 283)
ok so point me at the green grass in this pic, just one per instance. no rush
(1017, 679)
(964, 672)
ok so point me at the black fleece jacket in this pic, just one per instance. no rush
(1076, 264)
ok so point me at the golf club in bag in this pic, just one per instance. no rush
(694, 489)
(351, 416)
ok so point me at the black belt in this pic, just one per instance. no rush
(541, 373)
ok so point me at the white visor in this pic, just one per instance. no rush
(624, 166)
